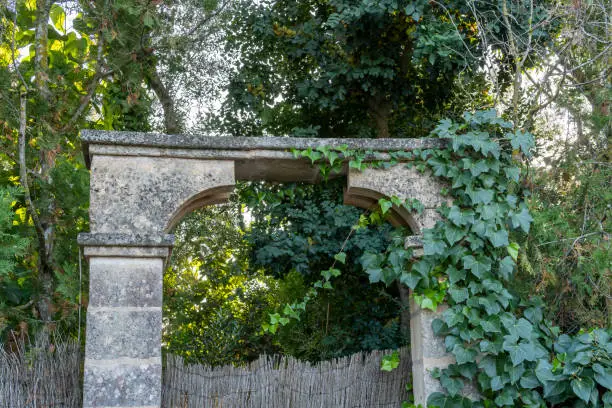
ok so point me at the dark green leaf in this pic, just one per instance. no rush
(582, 387)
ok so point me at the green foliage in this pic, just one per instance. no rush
(499, 340)
(568, 251)
(230, 278)
(512, 340)
(15, 284)
(213, 302)
(346, 68)
(86, 72)
(390, 362)
(305, 229)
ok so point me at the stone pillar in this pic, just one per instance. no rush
(124, 320)
(428, 351)
(364, 189)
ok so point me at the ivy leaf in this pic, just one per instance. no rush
(385, 205)
(529, 381)
(479, 167)
(506, 268)
(453, 234)
(523, 351)
(460, 217)
(340, 257)
(390, 362)
(459, 294)
(491, 325)
(534, 314)
(410, 279)
(452, 385)
(480, 196)
(582, 387)
(497, 383)
(439, 400)
(439, 327)
(522, 220)
(516, 373)
(506, 397)
(554, 388)
(490, 305)
(523, 141)
(370, 260)
(518, 328)
(583, 358)
(375, 275)
(422, 267)
(478, 266)
(452, 317)
(455, 275)
(463, 355)
(603, 376)
(489, 365)
(544, 372)
(499, 238)
(433, 247)
(512, 173)
(513, 249)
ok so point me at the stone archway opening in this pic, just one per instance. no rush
(291, 232)
(143, 184)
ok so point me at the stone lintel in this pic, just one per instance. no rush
(91, 137)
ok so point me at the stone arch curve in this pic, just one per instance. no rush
(142, 184)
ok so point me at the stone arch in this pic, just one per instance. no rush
(143, 184)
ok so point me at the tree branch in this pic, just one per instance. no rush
(23, 175)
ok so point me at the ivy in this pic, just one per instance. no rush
(500, 342)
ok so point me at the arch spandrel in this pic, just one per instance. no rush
(365, 188)
(144, 195)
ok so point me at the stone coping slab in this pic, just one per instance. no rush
(206, 142)
(129, 240)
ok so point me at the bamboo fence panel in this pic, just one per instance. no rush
(47, 375)
(283, 382)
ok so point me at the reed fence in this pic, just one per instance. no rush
(284, 382)
(41, 375)
(45, 375)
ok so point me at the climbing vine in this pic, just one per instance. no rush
(501, 344)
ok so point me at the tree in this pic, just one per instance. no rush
(346, 68)
(62, 68)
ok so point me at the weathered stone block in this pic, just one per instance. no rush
(125, 282)
(123, 332)
(122, 384)
(422, 335)
(400, 181)
(144, 194)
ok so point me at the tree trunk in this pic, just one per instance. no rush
(41, 65)
(380, 110)
(44, 269)
(171, 121)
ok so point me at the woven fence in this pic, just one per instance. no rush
(284, 382)
(46, 375)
